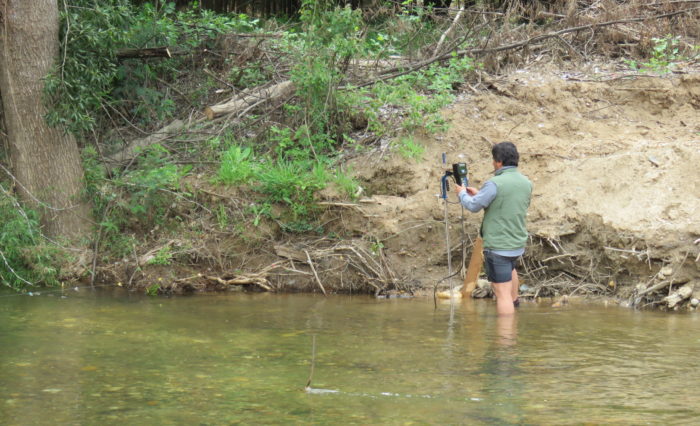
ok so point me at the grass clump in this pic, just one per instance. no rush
(237, 166)
(27, 258)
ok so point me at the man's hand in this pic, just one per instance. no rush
(471, 191)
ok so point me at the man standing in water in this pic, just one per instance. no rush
(505, 199)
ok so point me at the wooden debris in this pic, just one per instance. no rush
(146, 52)
(313, 269)
(257, 279)
(564, 300)
(290, 253)
(255, 97)
(372, 266)
(132, 149)
(678, 296)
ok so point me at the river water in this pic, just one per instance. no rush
(109, 357)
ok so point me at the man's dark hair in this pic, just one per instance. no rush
(506, 153)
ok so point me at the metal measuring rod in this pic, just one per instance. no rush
(459, 173)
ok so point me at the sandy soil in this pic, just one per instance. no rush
(615, 165)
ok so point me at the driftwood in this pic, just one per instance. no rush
(372, 266)
(237, 105)
(259, 279)
(252, 99)
(199, 281)
(678, 296)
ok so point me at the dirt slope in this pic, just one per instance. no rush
(615, 166)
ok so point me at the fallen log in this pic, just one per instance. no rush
(679, 295)
(147, 52)
(131, 150)
(239, 104)
(256, 97)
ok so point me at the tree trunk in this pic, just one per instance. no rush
(45, 160)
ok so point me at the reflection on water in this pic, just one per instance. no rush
(507, 329)
(225, 359)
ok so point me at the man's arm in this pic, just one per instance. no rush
(480, 200)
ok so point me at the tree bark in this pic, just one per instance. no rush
(45, 160)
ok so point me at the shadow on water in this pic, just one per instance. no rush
(113, 357)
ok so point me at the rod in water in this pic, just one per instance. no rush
(313, 361)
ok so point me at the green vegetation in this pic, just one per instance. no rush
(664, 53)
(302, 154)
(153, 289)
(106, 98)
(135, 200)
(347, 184)
(236, 166)
(26, 257)
(164, 256)
(92, 89)
(410, 149)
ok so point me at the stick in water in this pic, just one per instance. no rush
(313, 361)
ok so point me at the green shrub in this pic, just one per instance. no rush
(137, 198)
(260, 211)
(663, 56)
(150, 186)
(90, 86)
(26, 258)
(153, 289)
(420, 95)
(330, 36)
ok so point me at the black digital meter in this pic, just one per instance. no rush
(459, 173)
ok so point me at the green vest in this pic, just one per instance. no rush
(503, 227)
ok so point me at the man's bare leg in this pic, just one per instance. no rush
(516, 285)
(507, 328)
(504, 298)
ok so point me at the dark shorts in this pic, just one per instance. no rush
(499, 269)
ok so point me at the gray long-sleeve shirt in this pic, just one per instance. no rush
(481, 200)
